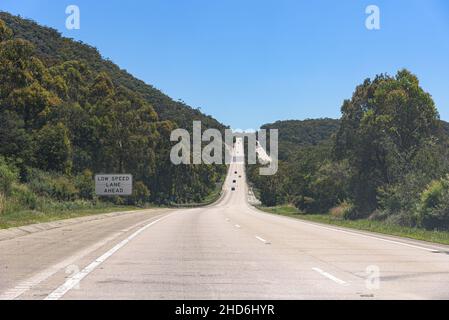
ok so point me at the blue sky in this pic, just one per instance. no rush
(250, 62)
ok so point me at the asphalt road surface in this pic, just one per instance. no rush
(228, 250)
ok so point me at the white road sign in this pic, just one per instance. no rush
(113, 184)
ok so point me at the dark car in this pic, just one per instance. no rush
(233, 189)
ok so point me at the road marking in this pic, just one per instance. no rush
(331, 277)
(75, 279)
(377, 238)
(262, 239)
(316, 225)
(29, 283)
(237, 226)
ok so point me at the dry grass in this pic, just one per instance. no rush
(341, 210)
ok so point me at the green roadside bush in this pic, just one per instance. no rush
(398, 202)
(40, 182)
(24, 198)
(85, 185)
(140, 194)
(64, 189)
(433, 210)
(2, 202)
(53, 185)
(8, 175)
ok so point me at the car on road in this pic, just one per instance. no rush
(234, 181)
(233, 189)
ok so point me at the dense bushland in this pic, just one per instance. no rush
(67, 113)
(385, 159)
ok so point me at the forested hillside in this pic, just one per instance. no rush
(386, 159)
(66, 114)
(52, 48)
(295, 134)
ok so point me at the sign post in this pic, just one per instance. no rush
(113, 184)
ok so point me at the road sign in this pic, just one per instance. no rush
(114, 184)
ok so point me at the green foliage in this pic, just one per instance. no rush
(8, 176)
(383, 127)
(141, 193)
(2, 203)
(53, 49)
(15, 142)
(434, 205)
(84, 184)
(64, 189)
(55, 186)
(376, 162)
(5, 32)
(54, 149)
(24, 198)
(294, 134)
(68, 111)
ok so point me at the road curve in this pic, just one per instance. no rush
(228, 250)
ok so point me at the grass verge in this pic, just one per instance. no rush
(27, 217)
(363, 224)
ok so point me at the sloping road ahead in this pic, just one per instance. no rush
(226, 251)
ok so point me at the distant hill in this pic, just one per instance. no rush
(294, 134)
(52, 48)
(305, 132)
(445, 127)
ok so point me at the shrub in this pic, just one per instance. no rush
(54, 148)
(2, 202)
(140, 193)
(8, 176)
(85, 184)
(64, 189)
(342, 210)
(305, 204)
(401, 200)
(433, 211)
(40, 182)
(24, 197)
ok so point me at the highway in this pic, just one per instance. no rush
(228, 250)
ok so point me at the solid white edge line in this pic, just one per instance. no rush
(316, 225)
(27, 284)
(331, 277)
(74, 280)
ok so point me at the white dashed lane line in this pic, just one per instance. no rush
(262, 240)
(331, 277)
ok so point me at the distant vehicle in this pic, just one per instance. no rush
(235, 172)
(234, 181)
(240, 176)
(233, 189)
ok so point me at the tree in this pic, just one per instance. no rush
(140, 194)
(383, 127)
(8, 176)
(15, 142)
(5, 32)
(54, 150)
